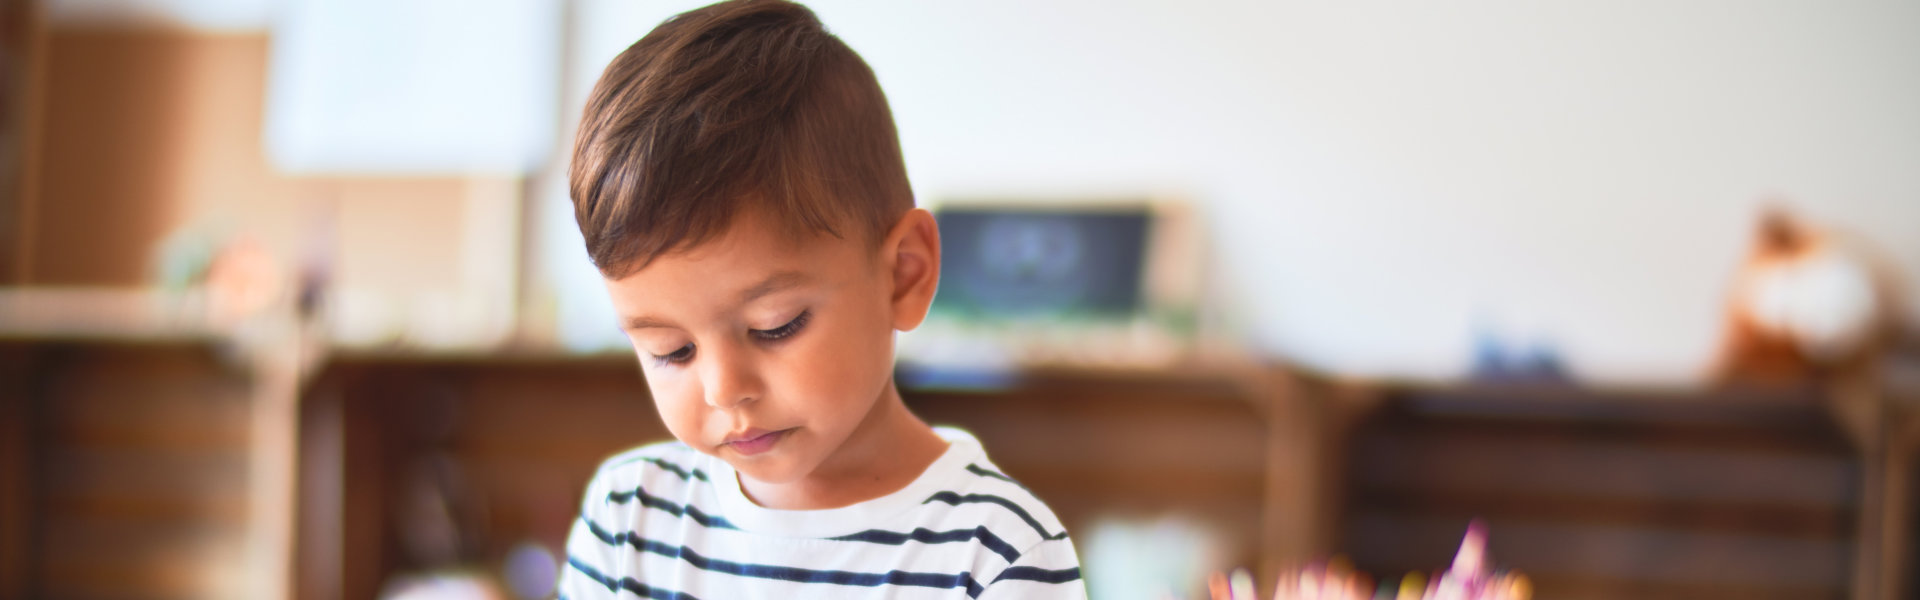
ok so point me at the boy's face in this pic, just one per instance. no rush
(768, 352)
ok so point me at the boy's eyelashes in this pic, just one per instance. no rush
(685, 352)
(783, 331)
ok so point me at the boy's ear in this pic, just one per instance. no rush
(913, 256)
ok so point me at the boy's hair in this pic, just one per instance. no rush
(742, 105)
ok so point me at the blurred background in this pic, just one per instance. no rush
(294, 304)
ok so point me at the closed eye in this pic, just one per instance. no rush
(684, 354)
(783, 331)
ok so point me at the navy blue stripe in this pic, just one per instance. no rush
(957, 499)
(1039, 574)
(626, 583)
(986, 472)
(793, 574)
(683, 472)
(610, 538)
(627, 459)
(675, 469)
(662, 504)
(925, 536)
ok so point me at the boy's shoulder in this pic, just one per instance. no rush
(982, 493)
(650, 463)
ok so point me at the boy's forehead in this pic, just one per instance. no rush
(747, 246)
(746, 262)
(729, 266)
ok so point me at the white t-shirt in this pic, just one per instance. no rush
(665, 521)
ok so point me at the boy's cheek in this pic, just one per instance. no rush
(679, 406)
(684, 419)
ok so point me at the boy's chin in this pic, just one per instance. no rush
(766, 469)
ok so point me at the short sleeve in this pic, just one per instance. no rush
(1049, 570)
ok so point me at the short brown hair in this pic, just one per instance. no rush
(742, 105)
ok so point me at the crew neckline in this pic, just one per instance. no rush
(962, 448)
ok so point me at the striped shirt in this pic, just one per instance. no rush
(665, 521)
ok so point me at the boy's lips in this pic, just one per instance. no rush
(755, 441)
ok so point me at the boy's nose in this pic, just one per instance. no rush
(731, 380)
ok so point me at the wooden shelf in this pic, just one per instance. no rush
(1600, 493)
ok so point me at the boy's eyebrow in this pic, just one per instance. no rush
(639, 323)
(773, 283)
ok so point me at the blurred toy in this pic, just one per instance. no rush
(1807, 303)
(242, 280)
(1496, 360)
(1469, 578)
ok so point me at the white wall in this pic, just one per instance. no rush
(1380, 178)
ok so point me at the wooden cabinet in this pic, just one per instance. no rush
(504, 446)
(1601, 494)
(118, 455)
(125, 469)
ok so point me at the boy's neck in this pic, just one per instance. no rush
(889, 449)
